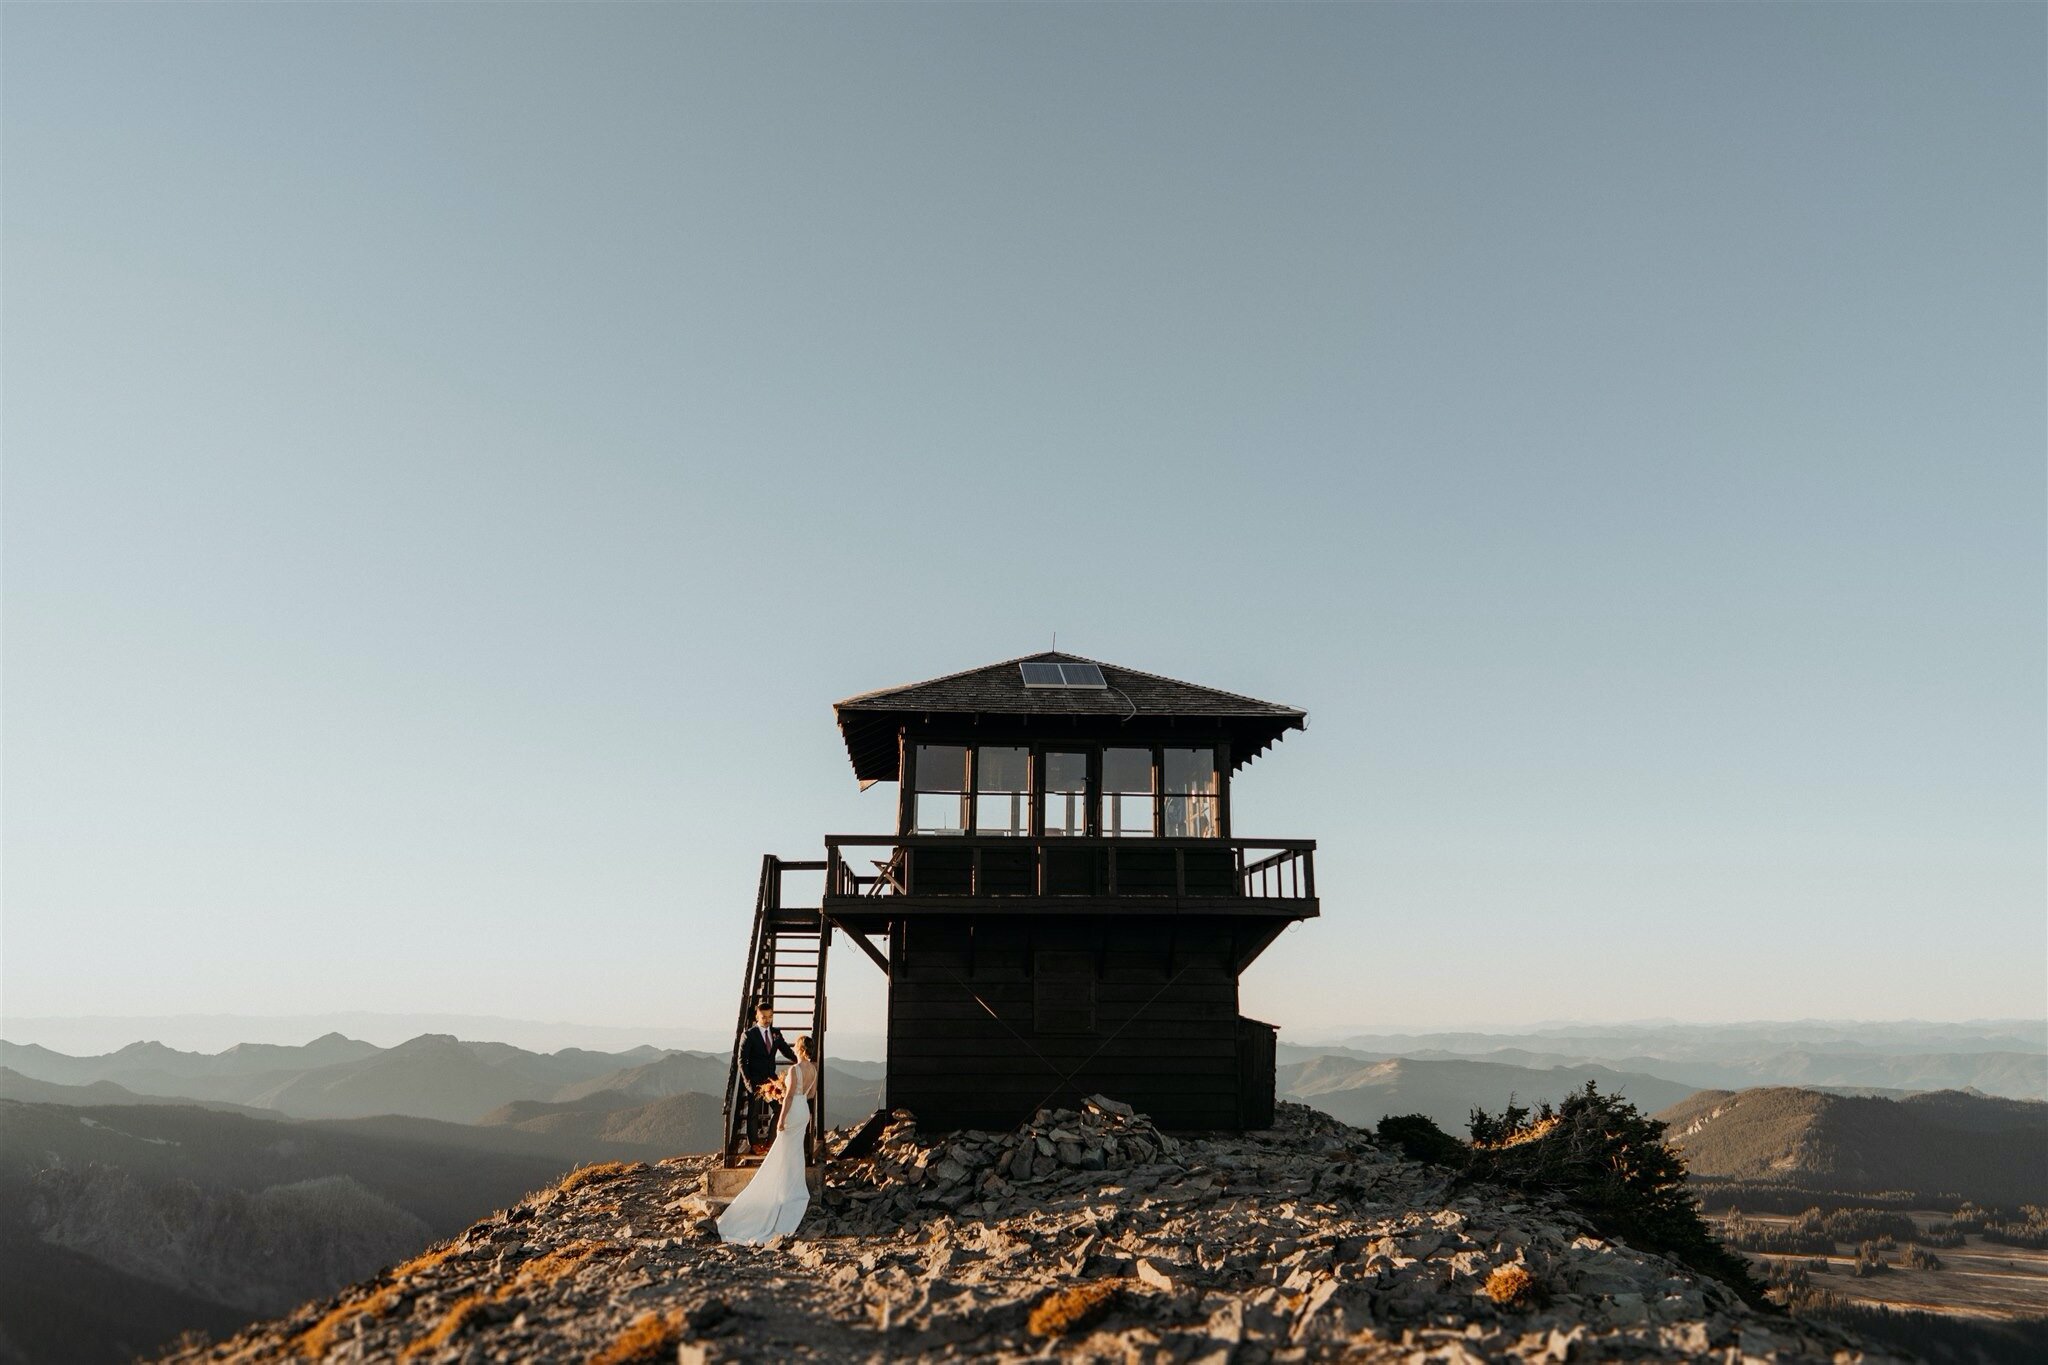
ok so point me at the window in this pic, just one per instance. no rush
(1127, 792)
(1066, 793)
(1191, 802)
(1002, 790)
(939, 804)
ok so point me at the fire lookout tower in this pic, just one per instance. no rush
(1063, 908)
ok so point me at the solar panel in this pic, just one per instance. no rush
(1062, 675)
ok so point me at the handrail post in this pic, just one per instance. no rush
(816, 1136)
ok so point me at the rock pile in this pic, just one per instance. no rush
(977, 1174)
(1087, 1233)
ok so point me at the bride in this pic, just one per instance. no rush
(774, 1201)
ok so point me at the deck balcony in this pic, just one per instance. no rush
(891, 874)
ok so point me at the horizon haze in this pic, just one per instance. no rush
(91, 1036)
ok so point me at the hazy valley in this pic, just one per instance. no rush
(196, 1190)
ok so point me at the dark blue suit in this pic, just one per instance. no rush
(757, 1067)
(757, 1056)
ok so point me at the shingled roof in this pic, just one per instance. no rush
(869, 721)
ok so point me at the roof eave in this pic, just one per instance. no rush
(869, 775)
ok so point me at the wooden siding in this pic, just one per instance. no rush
(986, 1020)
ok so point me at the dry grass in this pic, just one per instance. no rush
(563, 1261)
(1512, 1286)
(1069, 1310)
(451, 1325)
(316, 1341)
(645, 1340)
(595, 1174)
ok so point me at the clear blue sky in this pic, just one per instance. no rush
(455, 455)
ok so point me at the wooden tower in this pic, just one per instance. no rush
(1063, 907)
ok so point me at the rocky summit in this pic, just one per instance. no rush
(1086, 1235)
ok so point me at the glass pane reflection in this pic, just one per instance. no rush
(941, 767)
(1066, 793)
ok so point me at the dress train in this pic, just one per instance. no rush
(774, 1201)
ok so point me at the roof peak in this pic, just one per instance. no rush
(1066, 656)
(869, 719)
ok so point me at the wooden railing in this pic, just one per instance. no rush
(930, 865)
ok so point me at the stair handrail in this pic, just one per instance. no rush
(749, 984)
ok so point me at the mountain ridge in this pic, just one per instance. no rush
(1982, 1148)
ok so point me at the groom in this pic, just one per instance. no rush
(757, 1067)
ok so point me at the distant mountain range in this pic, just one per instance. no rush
(432, 1076)
(1708, 1042)
(122, 1225)
(685, 1122)
(149, 1190)
(81, 1035)
(2000, 1057)
(28, 1090)
(1364, 1091)
(1979, 1147)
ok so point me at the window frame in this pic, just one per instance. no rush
(1031, 770)
(1158, 811)
(1214, 795)
(1036, 753)
(1091, 785)
(965, 795)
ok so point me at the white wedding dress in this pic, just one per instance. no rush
(774, 1201)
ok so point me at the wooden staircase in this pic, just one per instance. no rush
(785, 969)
